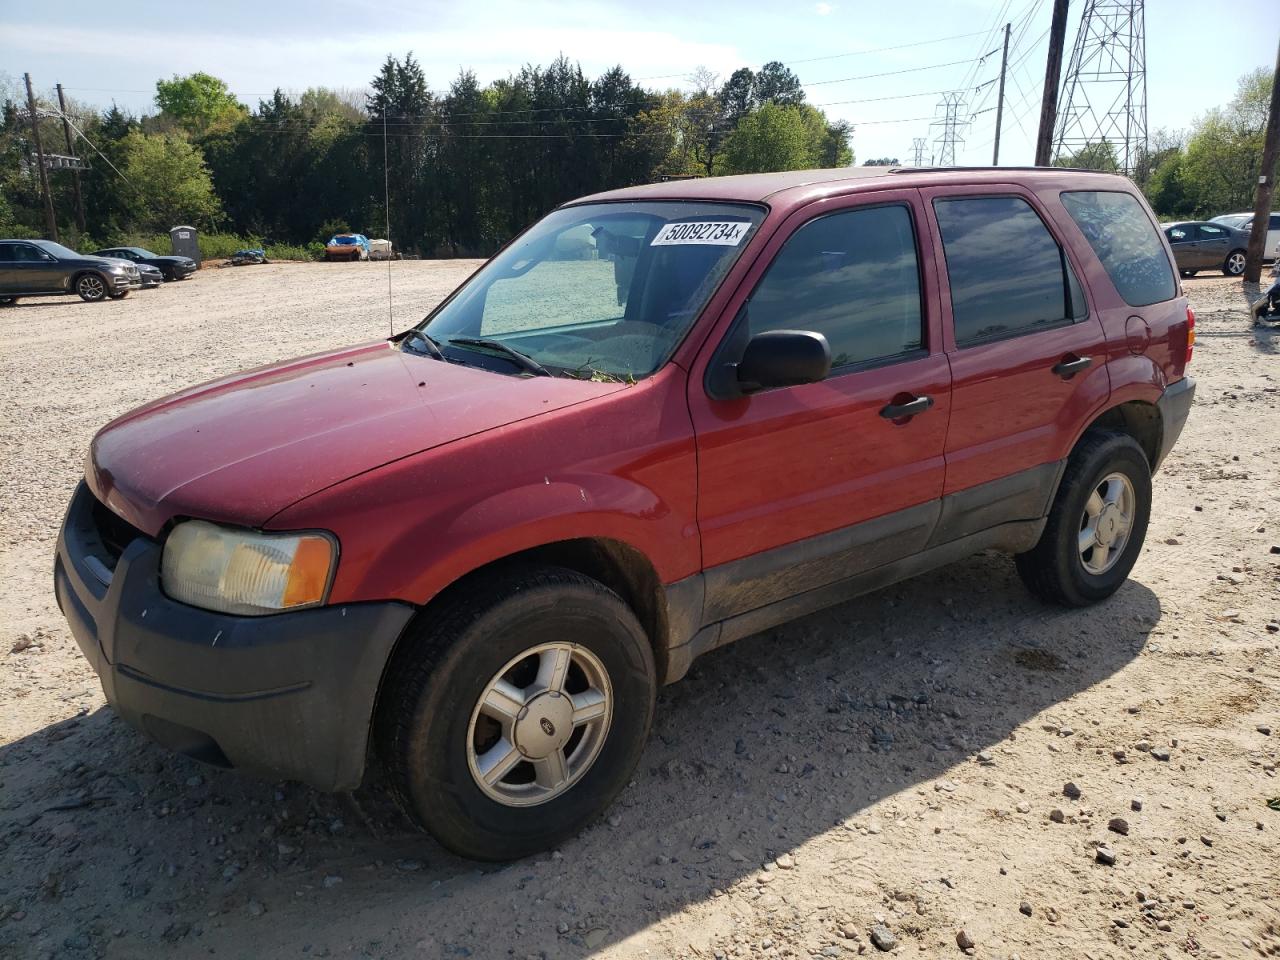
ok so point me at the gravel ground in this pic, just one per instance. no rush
(926, 768)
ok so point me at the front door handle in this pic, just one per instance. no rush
(1070, 365)
(896, 411)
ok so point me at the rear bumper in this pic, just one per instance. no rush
(1175, 407)
(288, 696)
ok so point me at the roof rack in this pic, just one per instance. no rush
(973, 169)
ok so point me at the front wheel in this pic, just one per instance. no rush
(1233, 266)
(1096, 525)
(516, 713)
(91, 287)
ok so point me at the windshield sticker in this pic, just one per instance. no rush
(722, 233)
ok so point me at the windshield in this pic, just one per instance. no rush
(57, 249)
(142, 253)
(599, 290)
(344, 241)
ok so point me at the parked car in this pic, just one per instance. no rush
(380, 250)
(172, 267)
(39, 268)
(475, 551)
(151, 276)
(1204, 245)
(1244, 221)
(347, 246)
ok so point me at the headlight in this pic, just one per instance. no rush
(246, 572)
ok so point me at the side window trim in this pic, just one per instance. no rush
(1064, 257)
(856, 366)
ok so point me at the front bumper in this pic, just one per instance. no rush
(288, 696)
(1175, 406)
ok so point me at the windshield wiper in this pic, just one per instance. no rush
(522, 360)
(433, 348)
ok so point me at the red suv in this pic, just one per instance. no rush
(661, 419)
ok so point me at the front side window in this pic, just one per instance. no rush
(852, 276)
(1176, 234)
(599, 290)
(1007, 273)
(1122, 236)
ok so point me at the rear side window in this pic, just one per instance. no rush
(852, 276)
(1126, 243)
(1008, 275)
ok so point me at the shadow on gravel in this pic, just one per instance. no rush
(112, 847)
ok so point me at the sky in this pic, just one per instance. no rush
(883, 67)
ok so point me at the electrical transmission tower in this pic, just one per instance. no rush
(1102, 120)
(949, 127)
(918, 145)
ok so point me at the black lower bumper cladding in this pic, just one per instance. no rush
(287, 696)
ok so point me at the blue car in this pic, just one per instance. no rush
(347, 246)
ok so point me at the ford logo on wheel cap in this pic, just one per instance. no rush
(547, 727)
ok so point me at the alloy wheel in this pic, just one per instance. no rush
(1106, 523)
(539, 724)
(1235, 264)
(90, 287)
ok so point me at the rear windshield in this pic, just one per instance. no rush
(602, 289)
(1126, 243)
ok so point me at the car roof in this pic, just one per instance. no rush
(796, 187)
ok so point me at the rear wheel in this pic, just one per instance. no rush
(91, 287)
(1096, 525)
(1233, 266)
(513, 716)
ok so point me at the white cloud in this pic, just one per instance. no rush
(822, 9)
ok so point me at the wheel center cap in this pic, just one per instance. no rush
(544, 725)
(1108, 525)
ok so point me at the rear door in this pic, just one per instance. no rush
(1215, 244)
(803, 486)
(8, 268)
(1027, 356)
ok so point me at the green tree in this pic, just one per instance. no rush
(169, 181)
(771, 138)
(198, 103)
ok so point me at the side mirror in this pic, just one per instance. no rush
(783, 358)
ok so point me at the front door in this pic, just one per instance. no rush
(803, 486)
(1027, 356)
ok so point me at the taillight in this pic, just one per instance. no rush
(1191, 333)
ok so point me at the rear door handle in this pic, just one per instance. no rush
(1070, 365)
(896, 411)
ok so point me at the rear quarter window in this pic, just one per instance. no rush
(1125, 241)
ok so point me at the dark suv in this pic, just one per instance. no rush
(34, 268)
(661, 419)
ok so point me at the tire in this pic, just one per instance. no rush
(1233, 266)
(90, 287)
(1188, 273)
(433, 737)
(1056, 569)
(8, 301)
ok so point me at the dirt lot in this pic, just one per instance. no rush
(900, 760)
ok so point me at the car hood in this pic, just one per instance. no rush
(241, 449)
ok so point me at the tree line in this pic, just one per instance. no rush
(459, 171)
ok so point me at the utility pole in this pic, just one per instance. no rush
(917, 151)
(1004, 65)
(1266, 183)
(75, 171)
(1052, 73)
(50, 223)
